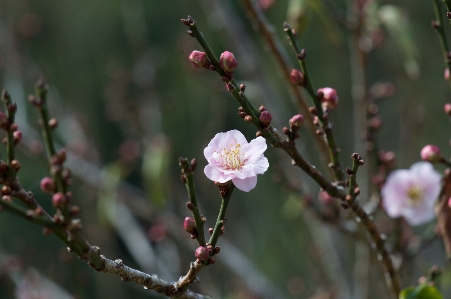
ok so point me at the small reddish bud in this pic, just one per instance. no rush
(324, 197)
(189, 206)
(190, 225)
(262, 108)
(58, 199)
(216, 250)
(47, 184)
(198, 58)
(242, 87)
(286, 131)
(329, 99)
(4, 123)
(297, 77)
(7, 198)
(446, 74)
(6, 190)
(258, 134)
(248, 118)
(431, 153)
(53, 123)
(265, 118)
(74, 210)
(17, 135)
(447, 108)
(15, 164)
(296, 122)
(227, 61)
(211, 261)
(210, 230)
(202, 253)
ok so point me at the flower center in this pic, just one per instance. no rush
(415, 194)
(232, 158)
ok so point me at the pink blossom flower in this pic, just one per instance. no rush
(411, 193)
(231, 157)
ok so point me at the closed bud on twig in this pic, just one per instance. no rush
(47, 184)
(262, 108)
(265, 118)
(296, 122)
(74, 210)
(15, 164)
(17, 135)
(447, 108)
(202, 253)
(227, 61)
(4, 122)
(242, 87)
(190, 225)
(431, 153)
(248, 118)
(6, 190)
(189, 206)
(297, 77)
(53, 123)
(198, 58)
(58, 200)
(329, 99)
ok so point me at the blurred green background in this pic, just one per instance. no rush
(129, 103)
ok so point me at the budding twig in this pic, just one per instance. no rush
(439, 27)
(188, 177)
(323, 121)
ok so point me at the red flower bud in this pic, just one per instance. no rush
(265, 118)
(447, 108)
(202, 253)
(297, 77)
(47, 185)
(227, 61)
(197, 58)
(431, 153)
(330, 98)
(58, 199)
(296, 122)
(190, 225)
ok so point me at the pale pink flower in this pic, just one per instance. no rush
(411, 193)
(231, 157)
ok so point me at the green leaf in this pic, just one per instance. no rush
(423, 291)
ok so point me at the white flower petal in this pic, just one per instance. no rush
(246, 184)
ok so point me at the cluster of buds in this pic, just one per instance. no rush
(295, 124)
(242, 113)
(204, 253)
(187, 167)
(328, 97)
